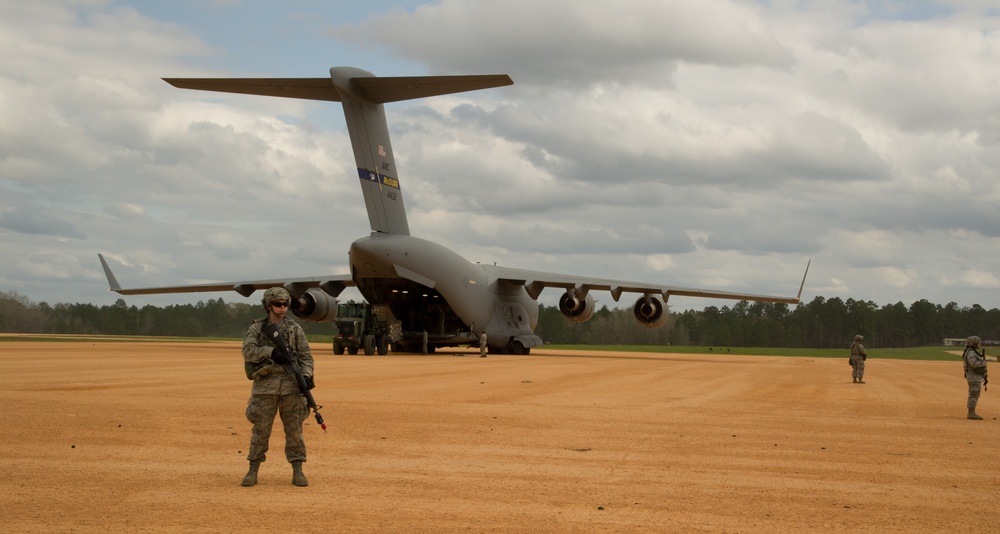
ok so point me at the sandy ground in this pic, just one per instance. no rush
(126, 437)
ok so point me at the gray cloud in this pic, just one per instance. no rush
(566, 42)
(37, 221)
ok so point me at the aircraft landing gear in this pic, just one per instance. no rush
(517, 348)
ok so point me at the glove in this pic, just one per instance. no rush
(278, 356)
(309, 382)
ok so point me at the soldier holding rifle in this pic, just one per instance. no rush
(275, 388)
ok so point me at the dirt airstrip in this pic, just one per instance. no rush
(100, 436)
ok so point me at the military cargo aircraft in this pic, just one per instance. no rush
(424, 286)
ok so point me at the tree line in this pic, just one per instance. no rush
(211, 318)
(820, 323)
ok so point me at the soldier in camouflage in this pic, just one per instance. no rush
(975, 373)
(274, 389)
(858, 357)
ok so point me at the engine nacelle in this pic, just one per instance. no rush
(575, 309)
(650, 314)
(315, 306)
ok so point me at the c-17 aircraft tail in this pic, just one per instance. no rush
(426, 290)
(362, 95)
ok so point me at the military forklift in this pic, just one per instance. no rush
(361, 326)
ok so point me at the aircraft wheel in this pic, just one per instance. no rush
(369, 345)
(383, 345)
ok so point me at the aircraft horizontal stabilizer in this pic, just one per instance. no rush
(307, 88)
(376, 90)
(394, 89)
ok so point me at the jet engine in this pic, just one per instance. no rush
(315, 306)
(650, 311)
(574, 309)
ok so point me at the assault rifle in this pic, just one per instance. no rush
(292, 367)
(965, 365)
(986, 378)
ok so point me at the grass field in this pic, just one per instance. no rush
(913, 353)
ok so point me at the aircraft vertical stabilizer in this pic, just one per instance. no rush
(363, 94)
(369, 133)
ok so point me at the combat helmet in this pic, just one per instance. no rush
(273, 294)
(859, 337)
(972, 341)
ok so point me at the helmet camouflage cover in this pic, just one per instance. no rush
(273, 294)
(972, 341)
(858, 338)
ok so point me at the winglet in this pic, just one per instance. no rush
(112, 282)
(803, 284)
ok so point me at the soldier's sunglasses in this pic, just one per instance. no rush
(279, 304)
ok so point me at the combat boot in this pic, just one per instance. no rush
(861, 381)
(251, 477)
(298, 478)
(974, 416)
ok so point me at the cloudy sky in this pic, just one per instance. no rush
(714, 144)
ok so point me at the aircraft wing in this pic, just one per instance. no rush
(535, 281)
(332, 285)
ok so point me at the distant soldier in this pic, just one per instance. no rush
(858, 357)
(274, 389)
(975, 373)
(482, 345)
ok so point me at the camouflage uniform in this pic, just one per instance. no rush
(975, 373)
(275, 390)
(858, 357)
